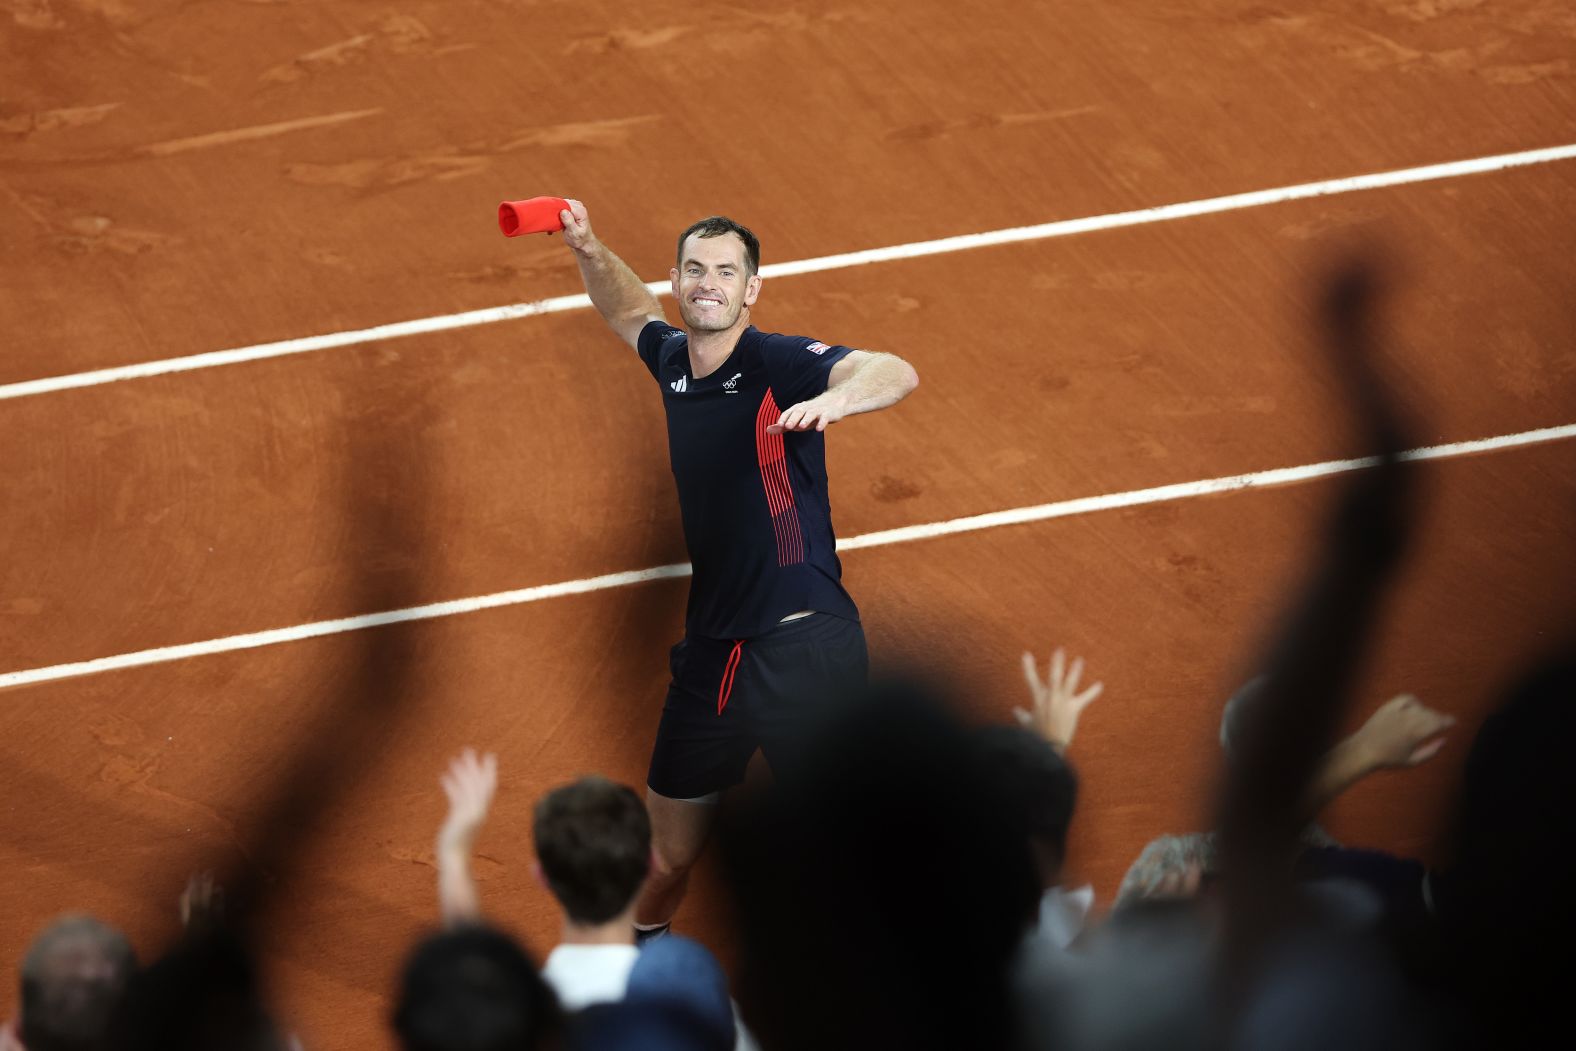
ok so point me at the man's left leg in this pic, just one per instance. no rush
(679, 828)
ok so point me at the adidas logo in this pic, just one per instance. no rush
(680, 385)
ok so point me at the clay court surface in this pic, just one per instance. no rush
(178, 178)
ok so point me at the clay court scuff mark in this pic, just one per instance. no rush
(34, 14)
(1427, 10)
(1213, 404)
(132, 758)
(1529, 74)
(86, 234)
(979, 122)
(509, 273)
(455, 162)
(389, 172)
(25, 124)
(890, 490)
(396, 34)
(594, 133)
(627, 40)
(256, 131)
(749, 24)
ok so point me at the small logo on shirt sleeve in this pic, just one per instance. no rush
(680, 385)
(817, 347)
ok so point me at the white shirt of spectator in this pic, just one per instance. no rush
(1063, 915)
(583, 975)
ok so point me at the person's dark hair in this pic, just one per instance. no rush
(201, 995)
(73, 978)
(880, 892)
(472, 989)
(1505, 903)
(1037, 786)
(593, 838)
(716, 226)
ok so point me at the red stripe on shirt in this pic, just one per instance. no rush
(773, 458)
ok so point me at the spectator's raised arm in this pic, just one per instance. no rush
(469, 784)
(1402, 732)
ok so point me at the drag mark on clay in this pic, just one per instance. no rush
(256, 131)
(748, 25)
(454, 162)
(982, 122)
(395, 34)
(25, 124)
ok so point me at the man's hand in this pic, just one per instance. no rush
(469, 784)
(577, 227)
(1057, 702)
(816, 414)
(1403, 732)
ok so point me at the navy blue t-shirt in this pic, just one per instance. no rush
(757, 520)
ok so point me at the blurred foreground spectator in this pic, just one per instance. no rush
(74, 977)
(882, 896)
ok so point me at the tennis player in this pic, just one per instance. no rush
(769, 630)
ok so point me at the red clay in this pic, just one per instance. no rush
(186, 179)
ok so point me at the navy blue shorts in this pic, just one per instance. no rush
(728, 698)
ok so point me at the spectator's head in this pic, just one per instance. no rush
(1169, 867)
(73, 978)
(883, 890)
(1237, 706)
(203, 995)
(472, 989)
(1038, 789)
(593, 843)
(1507, 901)
(678, 973)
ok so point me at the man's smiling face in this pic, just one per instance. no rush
(713, 282)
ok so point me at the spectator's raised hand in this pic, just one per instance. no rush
(1403, 732)
(469, 783)
(202, 904)
(1057, 702)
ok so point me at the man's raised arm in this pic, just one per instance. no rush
(622, 299)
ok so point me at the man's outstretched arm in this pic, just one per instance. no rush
(862, 382)
(1402, 733)
(622, 299)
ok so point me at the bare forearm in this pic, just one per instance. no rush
(1344, 765)
(458, 901)
(879, 383)
(615, 290)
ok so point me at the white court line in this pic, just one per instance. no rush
(559, 304)
(995, 519)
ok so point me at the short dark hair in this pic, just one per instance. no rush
(73, 979)
(472, 989)
(716, 226)
(593, 838)
(1036, 785)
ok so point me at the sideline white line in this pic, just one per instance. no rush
(559, 304)
(1016, 516)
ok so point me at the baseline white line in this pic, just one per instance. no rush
(995, 519)
(1043, 231)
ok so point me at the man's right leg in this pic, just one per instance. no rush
(702, 747)
(679, 828)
